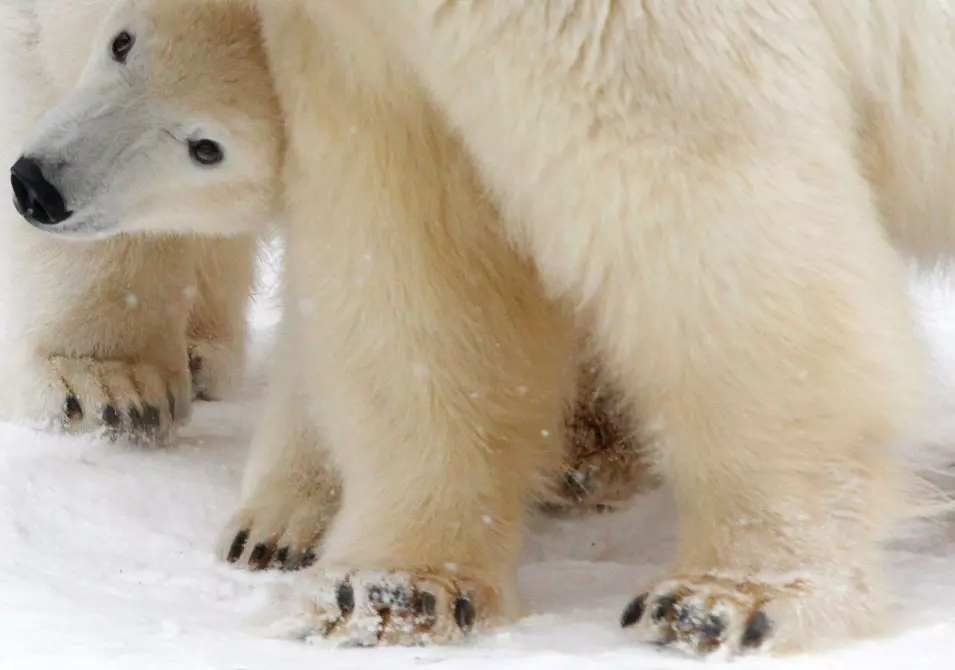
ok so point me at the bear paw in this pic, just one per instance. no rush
(214, 368)
(397, 608)
(284, 534)
(705, 615)
(133, 400)
(607, 460)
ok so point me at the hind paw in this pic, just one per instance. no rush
(215, 367)
(280, 528)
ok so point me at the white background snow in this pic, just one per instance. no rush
(106, 558)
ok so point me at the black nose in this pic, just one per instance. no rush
(37, 200)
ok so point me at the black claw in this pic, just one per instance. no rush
(171, 400)
(261, 555)
(238, 545)
(308, 558)
(346, 598)
(292, 561)
(464, 613)
(425, 604)
(712, 627)
(665, 607)
(634, 611)
(281, 557)
(151, 416)
(757, 628)
(73, 409)
(110, 416)
(135, 418)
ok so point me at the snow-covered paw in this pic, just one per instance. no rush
(214, 367)
(282, 532)
(705, 615)
(399, 608)
(133, 400)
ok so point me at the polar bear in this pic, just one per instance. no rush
(719, 193)
(202, 67)
(121, 332)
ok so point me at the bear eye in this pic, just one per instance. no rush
(205, 152)
(121, 46)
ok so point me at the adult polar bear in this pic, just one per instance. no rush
(704, 181)
(98, 334)
(707, 183)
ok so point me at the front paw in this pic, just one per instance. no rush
(280, 527)
(132, 400)
(367, 608)
(703, 615)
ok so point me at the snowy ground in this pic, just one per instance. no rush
(106, 560)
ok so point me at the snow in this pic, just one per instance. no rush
(107, 560)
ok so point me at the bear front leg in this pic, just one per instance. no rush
(782, 364)
(432, 364)
(444, 409)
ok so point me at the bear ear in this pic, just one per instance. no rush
(121, 46)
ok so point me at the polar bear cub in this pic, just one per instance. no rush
(125, 331)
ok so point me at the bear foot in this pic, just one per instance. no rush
(608, 458)
(214, 367)
(279, 531)
(704, 615)
(395, 608)
(131, 400)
